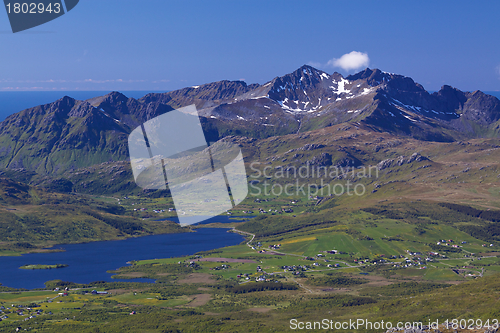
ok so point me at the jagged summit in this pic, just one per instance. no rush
(371, 75)
(304, 90)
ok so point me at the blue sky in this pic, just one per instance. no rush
(164, 45)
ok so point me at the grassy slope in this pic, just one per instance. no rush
(402, 214)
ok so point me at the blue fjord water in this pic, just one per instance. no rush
(89, 262)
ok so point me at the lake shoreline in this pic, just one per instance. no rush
(50, 248)
(229, 222)
(90, 262)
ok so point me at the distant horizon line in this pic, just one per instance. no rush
(112, 90)
(1, 91)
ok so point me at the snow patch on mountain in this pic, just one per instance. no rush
(341, 86)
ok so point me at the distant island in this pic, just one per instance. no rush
(43, 266)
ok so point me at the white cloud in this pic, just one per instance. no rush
(351, 61)
(498, 70)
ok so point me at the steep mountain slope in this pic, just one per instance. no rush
(441, 116)
(69, 134)
(60, 136)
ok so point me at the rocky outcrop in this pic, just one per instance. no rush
(311, 147)
(324, 159)
(401, 160)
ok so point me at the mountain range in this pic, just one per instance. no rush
(69, 134)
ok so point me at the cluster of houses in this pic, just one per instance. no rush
(3, 316)
(319, 256)
(410, 259)
(335, 252)
(448, 243)
(274, 211)
(271, 211)
(246, 276)
(295, 268)
(190, 264)
(365, 261)
(21, 310)
(260, 245)
(264, 250)
(221, 267)
(158, 211)
(415, 260)
(32, 311)
(262, 200)
(93, 292)
(265, 278)
(260, 278)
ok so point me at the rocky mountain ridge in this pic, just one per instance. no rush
(69, 134)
